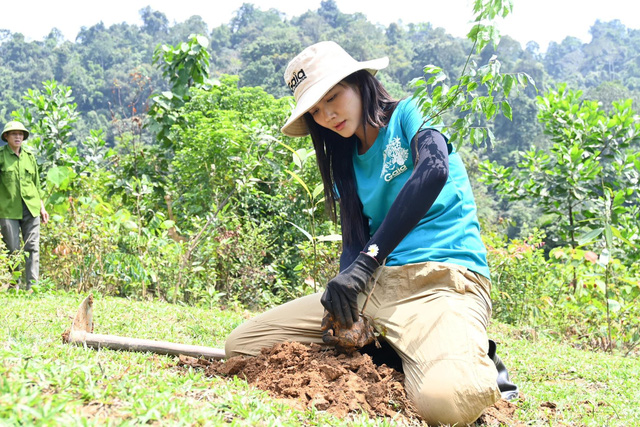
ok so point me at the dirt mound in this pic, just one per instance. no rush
(500, 414)
(313, 376)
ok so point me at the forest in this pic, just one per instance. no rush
(167, 176)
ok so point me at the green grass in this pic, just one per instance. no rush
(46, 382)
(563, 385)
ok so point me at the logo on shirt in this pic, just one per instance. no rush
(394, 159)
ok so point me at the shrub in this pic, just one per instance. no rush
(602, 311)
(521, 279)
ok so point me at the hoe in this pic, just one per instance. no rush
(81, 333)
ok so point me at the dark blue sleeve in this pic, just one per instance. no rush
(431, 170)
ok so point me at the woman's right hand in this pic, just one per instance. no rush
(340, 298)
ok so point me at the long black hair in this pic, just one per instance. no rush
(334, 155)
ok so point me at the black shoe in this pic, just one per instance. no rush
(508, 390)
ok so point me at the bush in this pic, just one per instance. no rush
(318, 266)
(522, 280)
(98, 247)
(570, 294)
(602, 311)
(238, 260)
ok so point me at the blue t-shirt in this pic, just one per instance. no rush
(450, 231)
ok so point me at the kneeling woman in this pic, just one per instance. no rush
(405, 201)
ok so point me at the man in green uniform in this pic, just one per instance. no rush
(21, 205)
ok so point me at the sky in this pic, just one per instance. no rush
(541, 21)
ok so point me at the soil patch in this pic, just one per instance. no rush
(313, 376)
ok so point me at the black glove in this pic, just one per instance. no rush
(341, 296)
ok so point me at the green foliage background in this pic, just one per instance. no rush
(168, 178)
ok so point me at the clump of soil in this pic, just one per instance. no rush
(314, 376)
(348, 340)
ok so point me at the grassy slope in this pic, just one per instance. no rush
(46, 382)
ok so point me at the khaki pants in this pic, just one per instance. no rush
(434, 315)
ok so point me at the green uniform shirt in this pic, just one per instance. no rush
(19, 180)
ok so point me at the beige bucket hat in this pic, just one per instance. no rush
(313, 73)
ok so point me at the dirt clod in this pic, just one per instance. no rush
(347, 340)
